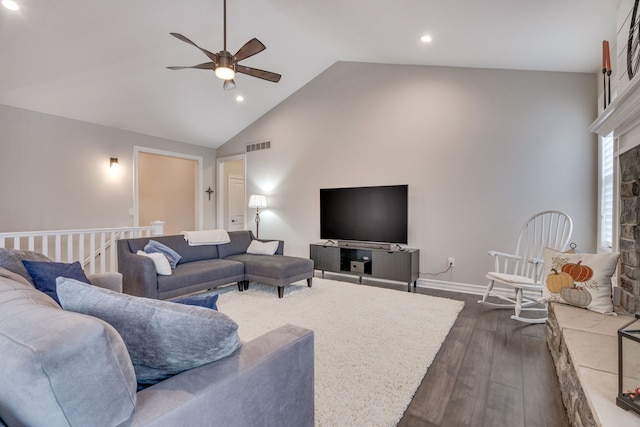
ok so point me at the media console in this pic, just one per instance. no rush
(401, 265)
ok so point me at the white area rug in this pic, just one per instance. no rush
(372, 345)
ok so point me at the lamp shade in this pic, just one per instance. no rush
(257, 201)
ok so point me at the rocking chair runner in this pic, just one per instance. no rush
(523, 270)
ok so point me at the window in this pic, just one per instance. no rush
(606, 192)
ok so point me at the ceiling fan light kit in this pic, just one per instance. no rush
(225, 73)
(224, 65)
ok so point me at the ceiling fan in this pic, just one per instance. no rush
(225, 65)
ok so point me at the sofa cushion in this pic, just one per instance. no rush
(197, 272)
(11, 259)
(172, 256)
(44, 274)
(274, 266)
(163, 338)
(60, 368)
(240, 241)
(178, 244)
(14, 276)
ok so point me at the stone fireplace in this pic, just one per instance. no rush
(629, 231)
(622, 118)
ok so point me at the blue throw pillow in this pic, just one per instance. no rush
(208, 301)
(172, 256)
(44, 275)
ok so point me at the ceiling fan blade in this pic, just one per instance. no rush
(205, 66)
(212, 56)
(261, 74)
(250, 48)
(229, 84)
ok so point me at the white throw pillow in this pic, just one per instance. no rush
(582, 280)
(262, 248)
(163, 267)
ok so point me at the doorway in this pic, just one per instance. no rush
(167, 189)
(231, 193)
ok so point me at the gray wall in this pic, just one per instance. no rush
(481, 150)
(55, 173)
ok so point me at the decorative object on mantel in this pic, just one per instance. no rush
(606, 73)
(633, 55)
(209, 191)
(629, 366)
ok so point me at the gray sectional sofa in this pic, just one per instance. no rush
(64, 368)
(208, 266)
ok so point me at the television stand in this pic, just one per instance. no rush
(358, 259)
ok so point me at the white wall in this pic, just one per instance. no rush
(54, 172)
(481, 150)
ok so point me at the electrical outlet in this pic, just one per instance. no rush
(452, 261)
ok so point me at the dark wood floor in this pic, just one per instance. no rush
(491, 371)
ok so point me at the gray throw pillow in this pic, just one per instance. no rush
(163, 338)
(11, 259)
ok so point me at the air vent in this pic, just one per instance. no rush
(259, 146)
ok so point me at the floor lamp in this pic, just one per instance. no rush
(257, 201)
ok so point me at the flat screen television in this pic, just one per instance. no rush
(368, 214)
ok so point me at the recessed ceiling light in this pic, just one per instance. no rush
(10, 4)
(239, 98)
(425, 39)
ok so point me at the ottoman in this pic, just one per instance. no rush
(276, 270)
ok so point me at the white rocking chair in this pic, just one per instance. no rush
(523, 269)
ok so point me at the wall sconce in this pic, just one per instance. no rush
(257, 201)
(113, 163)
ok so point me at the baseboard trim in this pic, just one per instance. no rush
(468, 288)
(441, 285)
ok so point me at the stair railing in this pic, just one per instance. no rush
(95, 248)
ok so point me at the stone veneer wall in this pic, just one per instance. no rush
(630, 230)
(575, 402)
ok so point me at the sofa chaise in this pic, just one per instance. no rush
(207, 266)
(64, 368)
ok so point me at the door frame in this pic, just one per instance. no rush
(137, 149)
(220, 185)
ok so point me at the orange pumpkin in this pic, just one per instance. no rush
(580, 273)
(556, 282)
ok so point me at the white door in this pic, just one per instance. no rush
(235, 190)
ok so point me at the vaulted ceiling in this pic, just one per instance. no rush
(105, 62)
